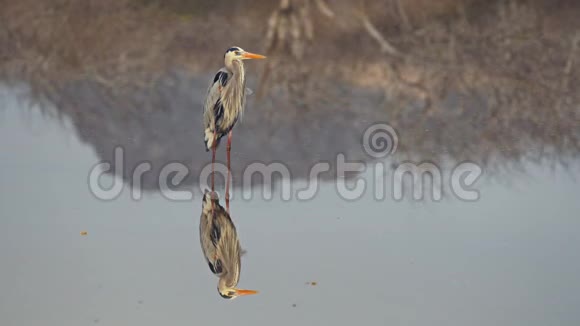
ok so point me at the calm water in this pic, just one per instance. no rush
(510, 258)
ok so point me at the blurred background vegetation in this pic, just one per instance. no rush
(485, 78)
(127, 41)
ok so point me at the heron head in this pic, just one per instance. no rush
(234, 293)
(237, 53)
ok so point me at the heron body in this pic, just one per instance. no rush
(219, 121)
(221, 246)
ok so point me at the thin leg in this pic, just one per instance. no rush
(228, 149)
(213, 149)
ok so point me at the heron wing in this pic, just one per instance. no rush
(213, 109)
(217, 268)
(207, 236)
(215, 234)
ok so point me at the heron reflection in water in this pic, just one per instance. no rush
(221, 246)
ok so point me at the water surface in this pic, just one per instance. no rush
(510, 258)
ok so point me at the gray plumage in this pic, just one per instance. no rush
(226, 96)
(221, 246)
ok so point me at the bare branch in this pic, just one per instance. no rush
(324, 9)
(403, 15)
(386, 47)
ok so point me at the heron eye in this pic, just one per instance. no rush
(238, 53)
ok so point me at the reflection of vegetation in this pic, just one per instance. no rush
(494, 79)
(465, 79)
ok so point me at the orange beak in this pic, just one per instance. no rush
(245, 292)
(250, 55)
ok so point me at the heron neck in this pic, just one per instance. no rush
(237, 69)
(234, 91)
(227, 281)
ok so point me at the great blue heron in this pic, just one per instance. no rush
(221, 247)
(224, 104)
